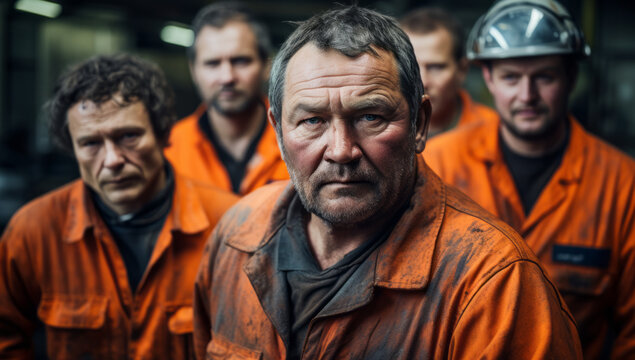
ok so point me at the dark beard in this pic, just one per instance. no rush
(246, 107)
(545, 132)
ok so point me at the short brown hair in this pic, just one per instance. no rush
(100, 78)
(426, 20)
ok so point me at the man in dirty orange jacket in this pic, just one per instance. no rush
(569, 194)
(439, 43)
(227, 141)
(366, 253)
(107, 263)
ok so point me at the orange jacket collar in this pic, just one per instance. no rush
(487, 148)
(188, 215)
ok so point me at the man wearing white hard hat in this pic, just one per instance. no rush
(568, 193)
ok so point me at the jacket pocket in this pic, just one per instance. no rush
(580, 270)
(69, 312)
(223, 349)
(75, 326)
(181, 327)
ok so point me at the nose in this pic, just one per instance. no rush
(527, 92)
(227, 74)
(114, 157)
(342, 145)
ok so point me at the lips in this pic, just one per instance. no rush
(120, 181)
(528, 112)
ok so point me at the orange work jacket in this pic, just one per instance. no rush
(582, 226)
(450, 282)
(59, 264)
(193, 155)
(474, 112)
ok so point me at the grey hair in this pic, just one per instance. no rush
(219, 14)
(352, 31)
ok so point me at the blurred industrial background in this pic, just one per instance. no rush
(39, 39)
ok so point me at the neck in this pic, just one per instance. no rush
(330, 243)
(235, 132)
(538, 146)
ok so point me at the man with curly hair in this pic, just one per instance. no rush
(107, 262)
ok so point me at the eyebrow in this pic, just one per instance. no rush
(372, 103)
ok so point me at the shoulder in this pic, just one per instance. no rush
(601, 153)
(255, 215)
(457, 139)
(213, 200)
(185, 127)
(46, 213)
(479, 224)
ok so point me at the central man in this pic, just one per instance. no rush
(366, 253)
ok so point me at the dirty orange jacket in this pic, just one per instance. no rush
(193, 155)
(582, 227)
(474, 112)
(60, 265)
(450, 282)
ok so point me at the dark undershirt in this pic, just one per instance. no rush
(235, 169)
(310, 287)
(531, 174)
(136, 233)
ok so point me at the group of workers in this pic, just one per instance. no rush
(309, 222)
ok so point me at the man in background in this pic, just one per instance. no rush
(439, 44)
(107, 263)
(227, 142)
(569, 194)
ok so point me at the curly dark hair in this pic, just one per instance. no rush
(100, 78)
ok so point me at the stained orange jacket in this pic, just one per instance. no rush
(450, 282)
(582, 227)
(59, 264)
(474, 112)
(193, 155)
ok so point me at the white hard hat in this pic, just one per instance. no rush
(522, 28)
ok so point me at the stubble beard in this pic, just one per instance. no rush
(546, 130)
(239, 107)
(376, 206)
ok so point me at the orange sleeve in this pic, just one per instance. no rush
(516, 314)
(17, 308)
(624, 345)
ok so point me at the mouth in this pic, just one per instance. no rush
(120, 181)
(528, 112)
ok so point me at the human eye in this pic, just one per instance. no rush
(88, 143)
(370, 117)
(241, 61)
(312, 121)
(545, 77)
(435, 67)
(212, 63)
(509, 77)
(128, 137)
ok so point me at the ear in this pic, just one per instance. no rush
(274, 122)
(191, 66)
(272, 119)
(487, 76)
(423, 120)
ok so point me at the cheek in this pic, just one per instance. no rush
(302, 154)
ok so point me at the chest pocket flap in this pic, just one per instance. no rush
(73, 312)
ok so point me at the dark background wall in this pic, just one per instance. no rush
(34, 50)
